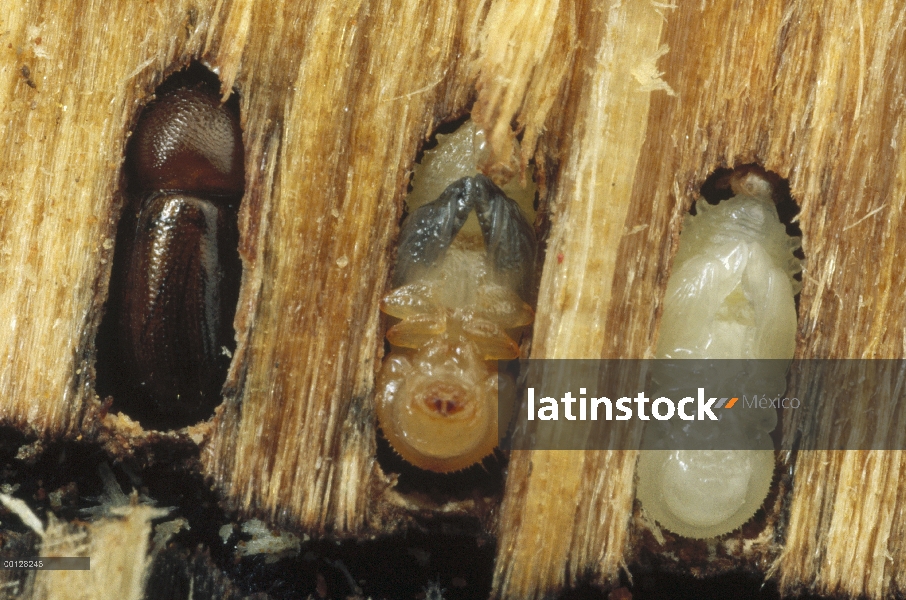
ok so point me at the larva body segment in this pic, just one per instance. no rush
(730, 296)
(459, 302)
(435, 406)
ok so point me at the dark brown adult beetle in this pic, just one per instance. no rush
(176, 267)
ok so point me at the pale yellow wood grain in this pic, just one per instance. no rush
(583, 532)
(62, 147)
(336, 99)
(118, 550)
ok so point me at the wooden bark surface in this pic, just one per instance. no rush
(626, 107)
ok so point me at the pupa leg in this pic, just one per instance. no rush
(427, 233)
(508, 237)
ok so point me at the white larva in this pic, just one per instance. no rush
(731, 295)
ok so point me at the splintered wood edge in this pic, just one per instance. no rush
(543, 544)
(335, 222)
(840, 167)
(118, 547)
(826, 164)
(836, 533)
(62, 155)
(713, 127)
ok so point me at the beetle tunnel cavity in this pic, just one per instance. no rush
(166, 338)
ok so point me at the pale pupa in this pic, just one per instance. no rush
(731, 295)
